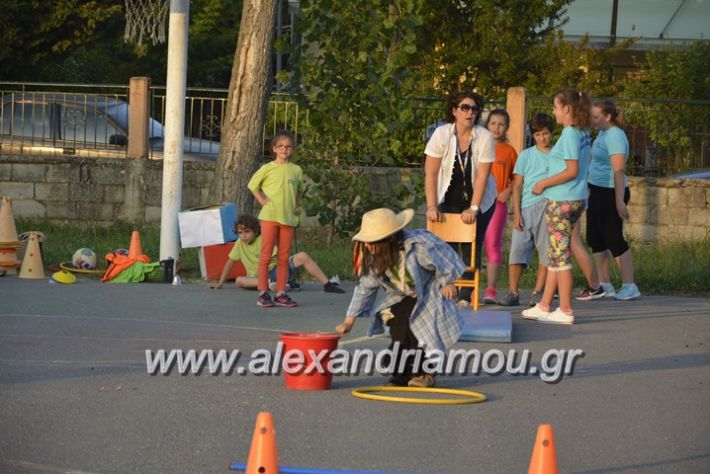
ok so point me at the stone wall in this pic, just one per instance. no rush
(669, 210)
(94, 189)
(129, 190)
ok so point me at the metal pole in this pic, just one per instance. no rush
(174, 126)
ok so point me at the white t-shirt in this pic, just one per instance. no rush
(442, 144)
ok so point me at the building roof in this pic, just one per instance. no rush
(651, 23)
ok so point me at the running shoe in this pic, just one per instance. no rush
(628, 292)
(284, 300)
(591, 294)
(264, 300)
(557, 317)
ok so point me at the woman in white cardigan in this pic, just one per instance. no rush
(457, 172)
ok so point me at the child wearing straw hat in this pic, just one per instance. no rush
(417, 270)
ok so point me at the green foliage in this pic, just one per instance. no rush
(568, 64)
(38, 35)
(338, 195)
(679, 130)
(82, 40)
(673, 74)
(63, 239)
(487, 45)
(350, 79)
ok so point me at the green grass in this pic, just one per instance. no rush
(682, 268)
(62, 240)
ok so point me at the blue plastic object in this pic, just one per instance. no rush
(309, 470)
(486, 326)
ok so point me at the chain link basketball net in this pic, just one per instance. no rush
(146, 18)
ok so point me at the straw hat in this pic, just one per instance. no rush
(380, 223)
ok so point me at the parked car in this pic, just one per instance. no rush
(697, 174)
(80, 125)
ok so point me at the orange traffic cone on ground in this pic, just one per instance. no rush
(544, 456)
(263, 457)
(32, 267)
(135, 250)
(9, 242)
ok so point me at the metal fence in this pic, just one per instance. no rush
(63, 119)
(665, 136)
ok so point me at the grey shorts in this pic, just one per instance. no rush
(534, 235)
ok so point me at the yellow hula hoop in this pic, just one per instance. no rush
(366, 393)
(68, 267)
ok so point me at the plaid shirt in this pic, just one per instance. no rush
(433, 264)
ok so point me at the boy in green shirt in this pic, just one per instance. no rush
(247, 249)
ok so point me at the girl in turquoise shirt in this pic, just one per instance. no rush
(565, 189)
(608, 196)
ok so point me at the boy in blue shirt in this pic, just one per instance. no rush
(529, 226)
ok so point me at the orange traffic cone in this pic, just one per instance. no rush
(135, 250)
(32, 267)
(263, 458)
(8, 231)
(544, 456)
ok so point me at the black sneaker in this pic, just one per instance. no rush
(331, 287)
(264, 300)
(284, 300)
(511, 299)
(591, 294)
(294, 285)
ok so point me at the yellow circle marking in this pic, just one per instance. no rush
(367, 393)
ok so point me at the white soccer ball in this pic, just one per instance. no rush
(84, 259)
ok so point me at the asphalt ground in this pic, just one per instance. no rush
(76, 397)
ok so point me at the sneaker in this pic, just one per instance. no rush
(591, 294)
(511, 299)
(535, 298)
(284, 300)
(424, 381)
(264, 300)
(628, 292)
(489, 297)
(557, 317)
(609, 291)
(272, 286)
(331, 287)
(536, 312)
(293, 285)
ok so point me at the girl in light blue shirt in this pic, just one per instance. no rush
(608, 197)
(565, 189)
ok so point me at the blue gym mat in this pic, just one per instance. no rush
(486, 326)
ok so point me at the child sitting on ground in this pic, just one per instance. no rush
(247, 250)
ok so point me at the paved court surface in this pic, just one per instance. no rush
(75, 395)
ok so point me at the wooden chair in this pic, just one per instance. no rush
(452, 229)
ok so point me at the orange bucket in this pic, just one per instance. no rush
(300, 346)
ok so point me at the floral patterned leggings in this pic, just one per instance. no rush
(561, 216)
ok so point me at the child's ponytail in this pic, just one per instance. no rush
(579, 103)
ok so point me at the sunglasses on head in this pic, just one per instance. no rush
(466, 108)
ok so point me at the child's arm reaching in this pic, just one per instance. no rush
(225, 271)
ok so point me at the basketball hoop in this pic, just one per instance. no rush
(146, 18)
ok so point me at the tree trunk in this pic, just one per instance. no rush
(241, 147)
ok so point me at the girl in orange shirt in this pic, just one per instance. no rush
(502, 170)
